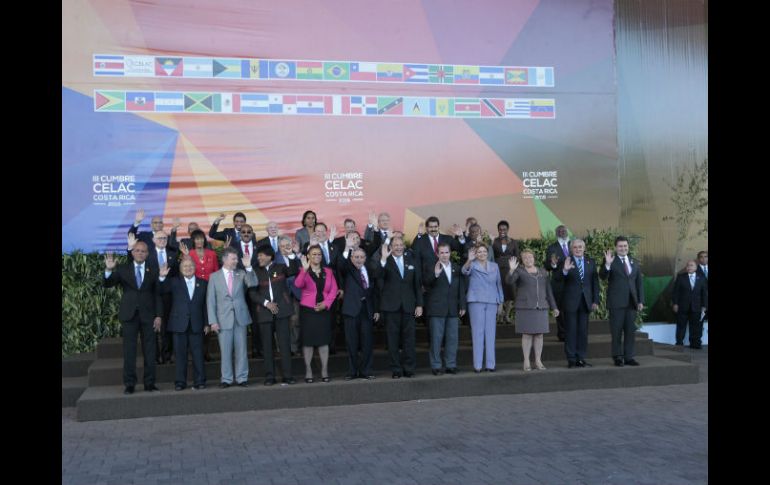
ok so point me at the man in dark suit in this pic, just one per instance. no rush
(272, 237)
(690, 299)
(625, 297)
(378, 231)
(581, 297)
(188, 321)
(286, 247)
(246, 247)
(555, 255)
(357, 307)
(234, 234)
(399, 302)
(157, 225)
(274, 304)
(160, 254)
(426, 246)
(139, 313)
(444, 306)
(703, 270)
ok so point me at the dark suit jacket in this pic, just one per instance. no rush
(254, 260)
(367, 246)
(172, 259)
(396, 293)
(423, 248)
(222, 235)
(355, 294)
(276, 274)
(621, 287)
(443, 299)
(576, 290)
(146, 236)
(502, 257)
(690, 299)
(185, 312)
(556, 283)
(145, 299)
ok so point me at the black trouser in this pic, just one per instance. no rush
(281, 327)
(560, 326)
(623, 330)
(358, 332)
(166, 337)
(131, 329)
(195, 342)
(400, 329)
(334, 314)
(695, 323)
(576, 332)
(256, 346)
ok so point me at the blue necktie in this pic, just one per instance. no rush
(275, 247)
(400, 264)
(161, 258)
(580, 267)
(326, 253)
(138, 276)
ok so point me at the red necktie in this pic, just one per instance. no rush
(246, 250)
(435, 245)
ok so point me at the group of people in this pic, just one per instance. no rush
(296, 290)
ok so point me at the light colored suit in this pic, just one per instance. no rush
(485, 293)
(232, 315)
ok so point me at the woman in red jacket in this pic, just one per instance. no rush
(319, 289)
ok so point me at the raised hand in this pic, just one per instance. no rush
(349, 242)
(568, 264)
(384, 251)
(457, 230)
(609, 256)
(185, 250)
(472, 254)
(246, 260)
(139, 216)
(513, 263)
(421, 229)
(333, 232)
(109, 261)
(220, 218)
(131, 240)
(176, 223)
(164, 270)
(305, 262)
(314, 241)
(437, 269)
(373, 219)
(228, 240)
(294, 246)
(554, 259)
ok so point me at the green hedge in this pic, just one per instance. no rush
(89, 311)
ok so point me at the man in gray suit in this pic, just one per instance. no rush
(229, 314)
(625, 297)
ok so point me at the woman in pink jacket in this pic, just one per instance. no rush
(319, 289)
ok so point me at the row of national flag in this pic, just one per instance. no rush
(330, 105)
(261, 69)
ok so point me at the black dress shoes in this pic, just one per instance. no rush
(452, 370)
(618, 361)
(268, 382)
(632, 362)
(199, 387)
(396, 375)
(246, 384)
(583, 363)
(349, 377)
(224, 385)
(408, 374)
(369, 377)
(436, 372)
(128, 390)
(179, 387)
(289, 381)
(151, 387)
(696, 346)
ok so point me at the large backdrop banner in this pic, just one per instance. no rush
(187, 109)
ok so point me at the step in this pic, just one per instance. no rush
(107, 372)
(113, 347)
(71, 389)
(77, 365)
(671, 352)
(109, 402)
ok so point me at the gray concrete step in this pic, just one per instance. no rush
(77, 365)
(108, 402)
(71, 389)
(109, 372)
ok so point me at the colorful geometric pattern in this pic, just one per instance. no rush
(349, 71)
(328, 105)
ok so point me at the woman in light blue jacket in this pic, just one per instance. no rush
(485, 301)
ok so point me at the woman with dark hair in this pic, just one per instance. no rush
(504, 248)
(319, 289)
(308, 226)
